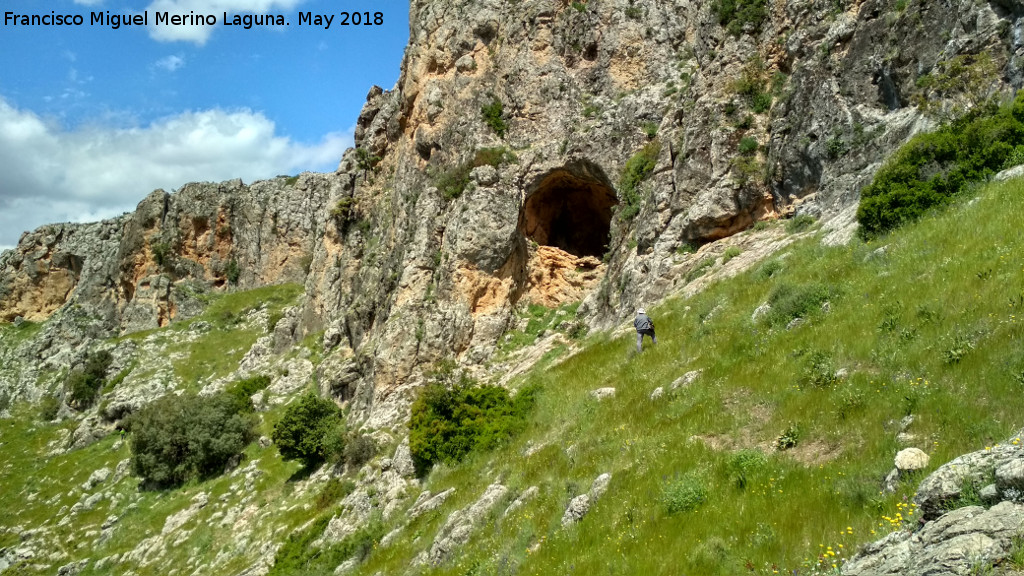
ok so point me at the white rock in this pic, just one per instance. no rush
(602, 393)
(576, 510)
(910, 459)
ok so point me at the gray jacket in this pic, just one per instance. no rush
(643, 322)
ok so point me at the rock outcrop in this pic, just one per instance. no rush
(972, 517)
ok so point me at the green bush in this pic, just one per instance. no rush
(161, 253)
(743, 464)
(761, 102)
(83, 385)
(768, 269)
(735, 15)
(931, 169)
(49, 406)
(492, 114)
(242, 390)
(748, 145)
(820, 372)
(730, 253)
(637, 169)
(452, 417)
(335, 489)
(684, 494)
(359, 450)
(452, 182)
(308, 430)
(233, 272)
(800, 223)
(343, 210)
(789, 301)
(789, 438)
(181, 438)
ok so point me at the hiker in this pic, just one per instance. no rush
(644, 326)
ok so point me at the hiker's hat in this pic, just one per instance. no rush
(641, 311)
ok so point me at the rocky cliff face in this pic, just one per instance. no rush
(514, 130)
(534, 151)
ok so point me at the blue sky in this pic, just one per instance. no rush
(92, 119)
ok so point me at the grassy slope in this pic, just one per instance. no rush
(27, 469)
(951, 284)
(931, 328)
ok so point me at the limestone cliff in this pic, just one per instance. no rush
(508, 165)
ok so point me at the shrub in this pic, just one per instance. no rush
(343, 210)
(684, 494)
(359, 450)
(819, 372)
(452, 417)
(761, 102)
(233, 272)
(452, 182)
(747, 169)
(788, 301)
(751, 86)
(735, 15)
(730, 253)
(308, 430)
(366, 161)
(931, 169)
(789, 438)
(49, 406)
(768, 269)
(335, 489)
(748, 145)
(650, 129)
(743, 464)
(242, 390)
(492, 114)
(800, 223)
(161, 253)
(637, 169)
(180, 438)
(83, 385)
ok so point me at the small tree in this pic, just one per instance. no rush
(84, 384)
(180, 438)
(308, 430)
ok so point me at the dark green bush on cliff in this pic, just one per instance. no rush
(637, 169)
(735, 15)
(452, 417)
(180, 438)
(83, 385)
(311, 431)
(932, 168)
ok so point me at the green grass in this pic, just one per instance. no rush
(540, 320)
(887, 326)
(197, 359)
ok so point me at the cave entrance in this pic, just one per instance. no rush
(570, 208)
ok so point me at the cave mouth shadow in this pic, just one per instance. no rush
(570, 208)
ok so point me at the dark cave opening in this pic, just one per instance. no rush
(570, 208)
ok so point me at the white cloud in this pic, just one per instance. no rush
(56, 175)
(169, 63)
(89, 2)
(200, 33)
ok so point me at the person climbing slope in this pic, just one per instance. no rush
(644, 326)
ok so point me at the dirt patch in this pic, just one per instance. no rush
(814, 453)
